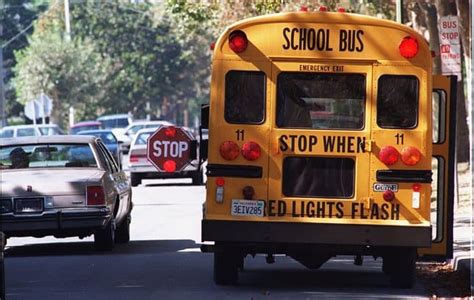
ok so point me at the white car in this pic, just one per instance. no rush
(140, 168)
(29, 130)
(129, 133)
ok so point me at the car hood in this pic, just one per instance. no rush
(48, 182)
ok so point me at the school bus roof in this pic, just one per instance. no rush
(323, 35)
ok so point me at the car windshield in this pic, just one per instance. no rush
(47, 156)
(49, 130)
(142, 138)
(114, 123)
(75, 130)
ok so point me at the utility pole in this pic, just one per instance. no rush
(399, 11)
(3, 121)
(67, 20)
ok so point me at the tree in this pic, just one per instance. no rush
(147, 62)
(71, 73)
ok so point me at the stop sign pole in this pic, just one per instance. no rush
(169, 149)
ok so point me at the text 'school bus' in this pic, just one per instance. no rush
(328, 135)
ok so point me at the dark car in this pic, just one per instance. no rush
(110, 141)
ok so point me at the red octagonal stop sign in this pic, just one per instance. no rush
(169, 149)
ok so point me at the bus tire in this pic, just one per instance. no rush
(401, 267)
(135, 179)
(225, 268)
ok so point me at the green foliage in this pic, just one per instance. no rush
(72, 73)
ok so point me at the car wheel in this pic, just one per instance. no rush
(226, 270)
(135, 179)
(104, 238)
(401, 267)
(198, 178)
(122, 234)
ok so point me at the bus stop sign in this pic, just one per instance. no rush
(169, 149)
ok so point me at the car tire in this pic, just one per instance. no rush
(198, 177)
(135, 179)
(122, 234)
(226, 270)
(401, 267)
(104, 238)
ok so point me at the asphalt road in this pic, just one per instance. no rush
(163, 261)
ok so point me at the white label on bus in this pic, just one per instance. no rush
(415, 200)
(250, 208)
(382, 187)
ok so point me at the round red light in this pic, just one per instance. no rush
(251, 151)
(341, 9)
(169, 165)
(323, 8)
(303, 8)
(220, 181)
(229, 150)
(388, 195)
(410, 155)
(408, 47)
(212, 46)
(388, 155)
(170, 132)
(248, 192)
(238, 41)
(416, 187)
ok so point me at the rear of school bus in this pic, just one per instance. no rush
(319, 142)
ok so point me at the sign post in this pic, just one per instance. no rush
(450, 47)
(169, 149)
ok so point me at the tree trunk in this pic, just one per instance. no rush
(432, 25)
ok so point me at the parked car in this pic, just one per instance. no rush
(133, 128)
(115, 121)
(85, 125)
(29, 130)
(140, 168)
(63, 186)
(110, 141)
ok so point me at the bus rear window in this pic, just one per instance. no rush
(244, 97)
(320, 101)
(397, 101)
(318, 177)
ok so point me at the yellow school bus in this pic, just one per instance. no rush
(328, 135)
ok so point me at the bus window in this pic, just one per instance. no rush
(245, 97)
(439, 116)
(320, 101)
(318, 177)
(397, 101)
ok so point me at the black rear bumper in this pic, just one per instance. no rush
(62, 222)
(313, 233)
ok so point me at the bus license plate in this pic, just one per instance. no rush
(29, 205)
(250, 208)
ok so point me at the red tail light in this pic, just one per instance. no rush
(169, 165)
(388, 155)
(341, 9)
(388, 195)
(95, 195)
(304, 8)
(408, 47)
(135, 157)
(251, 151)
(229, 150)
(410, 156)
(220, 181)
(238, 41)
(323, 8)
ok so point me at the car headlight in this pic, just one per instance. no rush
(5, 205)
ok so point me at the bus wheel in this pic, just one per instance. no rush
(225, 268)
(401, 266)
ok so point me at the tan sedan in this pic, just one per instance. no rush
(63, 186)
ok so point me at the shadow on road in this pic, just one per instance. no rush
(87, 248)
